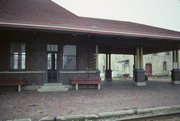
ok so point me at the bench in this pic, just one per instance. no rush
(78, 81)
(13, 82)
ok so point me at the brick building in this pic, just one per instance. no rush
(42, 42)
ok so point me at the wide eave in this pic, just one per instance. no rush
(47, 15)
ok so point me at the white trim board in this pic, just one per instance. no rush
(76, 72)
(23, 72)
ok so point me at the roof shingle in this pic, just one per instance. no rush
(49, 14)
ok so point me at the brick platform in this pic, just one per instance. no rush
(114, 96)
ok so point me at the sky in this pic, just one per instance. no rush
(159, 13)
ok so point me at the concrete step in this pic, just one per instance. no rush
(52, 90)
(52, 84)
(52, 87)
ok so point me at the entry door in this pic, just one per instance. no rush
(149, 69)
(52, 67)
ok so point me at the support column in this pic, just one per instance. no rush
(108, 73)
(177, 58)
(141, 59)
(135, 62)
(109, 61)
(97, 51)
(175, 72)
(139, 73)
(137, 59)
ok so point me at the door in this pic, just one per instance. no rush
(52, 71)
(52, 67)
(148, 69)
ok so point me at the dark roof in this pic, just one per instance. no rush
(45, 14)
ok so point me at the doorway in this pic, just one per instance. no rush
(148, 69)
(52, 71)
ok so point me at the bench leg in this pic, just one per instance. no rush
(77, 87)
(19, 88)
(99, 86)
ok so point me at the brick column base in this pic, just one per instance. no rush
(175, 76)
(108, 75)
(139, 77)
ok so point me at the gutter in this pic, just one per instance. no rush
(88, 30)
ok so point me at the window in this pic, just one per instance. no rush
(52, 61)
(52, 48)
(18, 56)
(69, 57)
(164, 66)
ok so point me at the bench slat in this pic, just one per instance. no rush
(78, 81)
(12, 82)
(85, 81)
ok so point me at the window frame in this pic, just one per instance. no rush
(66, 55)
(164, 65)
(53, 51)
(20, 56)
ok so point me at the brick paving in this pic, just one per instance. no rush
(116, 96)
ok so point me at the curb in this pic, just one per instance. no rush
(25, 119)
(138, 111)
(125, 114)
(107, 114)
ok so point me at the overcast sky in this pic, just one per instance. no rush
(159, 13)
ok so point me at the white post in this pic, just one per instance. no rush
(99, 86)
(77, 87)
(19, 88)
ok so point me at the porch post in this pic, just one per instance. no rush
(137, 59)
(139, 73)
(109, 61)
(175, 72)
(108, 73)
(177, 58)
(107, 68)
(97, 51)
(141, 59)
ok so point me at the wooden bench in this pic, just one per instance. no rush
(78, 81)
(13, 82)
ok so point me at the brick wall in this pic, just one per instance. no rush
(35, 72)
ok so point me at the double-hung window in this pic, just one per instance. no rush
(69, 57)
(18, 56)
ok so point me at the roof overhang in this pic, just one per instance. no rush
(85, 30)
